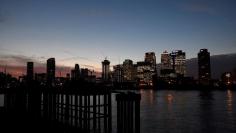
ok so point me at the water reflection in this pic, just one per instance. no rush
(147, 96)
(206, 112)
(168, 111)
(170, 98)
(151, 97)
(229, 101)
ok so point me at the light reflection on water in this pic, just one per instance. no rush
(229, 101)
(188, 111)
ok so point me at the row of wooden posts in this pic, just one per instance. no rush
(89, 111)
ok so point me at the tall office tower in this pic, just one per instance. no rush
(204, 66)
(30, 70)
(144, 73)
(118, 73)
(165, 60)
(178, 62)
(128, 70)
(166, 68)
(51, 70)
(151, 58)
(106, 70)
(75, 73)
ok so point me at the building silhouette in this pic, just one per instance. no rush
(204, 66)
(30, 71)
(51, 70)
(84, 72)
(118, 73)
(41, 77)
(75, 73)
(106, 70)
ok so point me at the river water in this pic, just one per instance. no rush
(168, 111)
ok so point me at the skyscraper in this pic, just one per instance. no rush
(75, 73)
(51, 70)
(144, 73)
(165, 60)
(204, 66)
(150, 57)
(166, 68)
(178, 62)
(118, 73)
(105, 70)
(30, 70)
(128, 70)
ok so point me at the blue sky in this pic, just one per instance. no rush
(86, 31)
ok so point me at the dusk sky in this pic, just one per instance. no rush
(85, 32)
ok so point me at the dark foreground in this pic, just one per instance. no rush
(161, 111)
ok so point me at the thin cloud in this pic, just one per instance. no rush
(16, 65)
(14, 60)
(74, 57)
(9, 51)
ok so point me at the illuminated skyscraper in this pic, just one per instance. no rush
(106, 70)
(128, 70)
(144, 73)
(151, 58)
(178, 62)
(30, 70)
(165, 60)
(51, 70)
(166, 68)
(204, 66)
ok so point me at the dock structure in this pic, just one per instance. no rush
(87, 110)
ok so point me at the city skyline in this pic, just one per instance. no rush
(62, 71)
(86, 32)
(118, 66)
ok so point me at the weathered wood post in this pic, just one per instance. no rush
(109, 113)
(76, 110)
(127, 121)
(94, 113)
